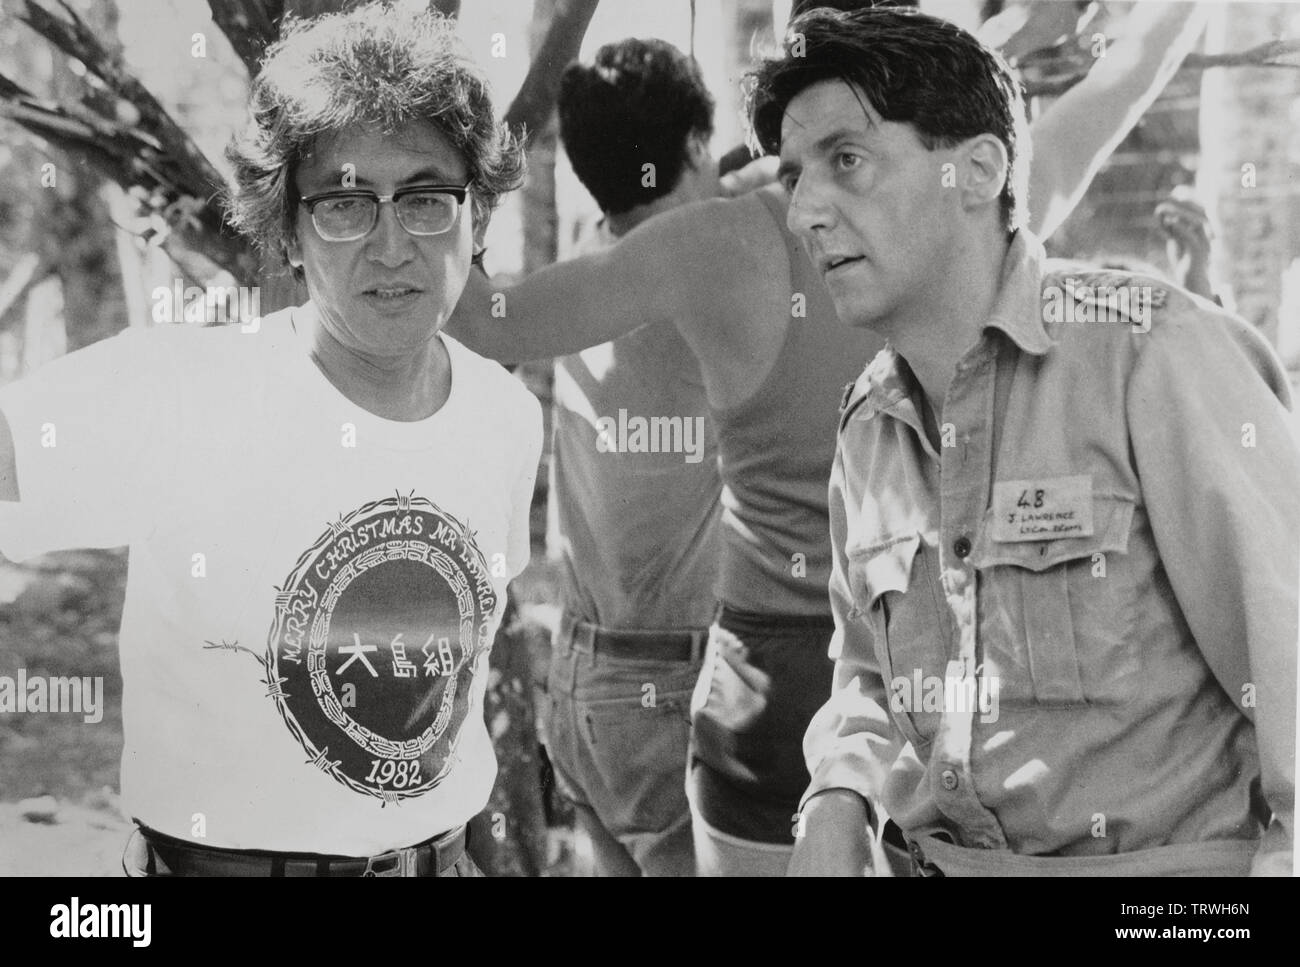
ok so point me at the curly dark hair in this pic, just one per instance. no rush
(914, 69)
(375, 64)
(637, 104)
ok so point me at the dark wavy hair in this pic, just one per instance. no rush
(637, 104)
(376, 64)
(914, 69)
(801, 7)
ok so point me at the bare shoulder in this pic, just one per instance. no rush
(699, 258)
(732, 258)
(730, 234)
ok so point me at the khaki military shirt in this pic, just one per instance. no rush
(1069, 631)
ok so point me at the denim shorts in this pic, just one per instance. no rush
(764, 678)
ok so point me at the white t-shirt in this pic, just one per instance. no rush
(312, 589)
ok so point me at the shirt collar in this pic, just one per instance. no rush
(887, 385)
(887, 382)
(1018, 306)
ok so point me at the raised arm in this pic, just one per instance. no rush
(1076, 134)
(651, 275)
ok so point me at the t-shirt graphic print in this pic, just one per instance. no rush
(376, 635)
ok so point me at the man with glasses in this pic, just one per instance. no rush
(324, 510)
(345, 216)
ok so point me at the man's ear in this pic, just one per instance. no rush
(698, 154)
(983, 170)
(477, 245)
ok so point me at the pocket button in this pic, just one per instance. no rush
(949, 779)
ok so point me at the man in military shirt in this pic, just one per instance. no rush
(1063, 507)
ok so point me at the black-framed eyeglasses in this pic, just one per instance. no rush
(345, 216)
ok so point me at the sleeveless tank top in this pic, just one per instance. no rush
(776, 449)
(634, 483)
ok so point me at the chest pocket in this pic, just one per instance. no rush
(1056, 617)
(894, 591)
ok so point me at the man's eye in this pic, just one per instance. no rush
(847, 160)
(340, 205)
(425, 200)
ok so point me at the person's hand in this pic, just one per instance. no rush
(832, 838)
(756, 174)
(1186, 227)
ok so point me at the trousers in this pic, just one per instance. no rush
(617, 731)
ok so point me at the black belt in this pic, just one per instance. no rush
(180, 857)
(671, 645)
(894, 837)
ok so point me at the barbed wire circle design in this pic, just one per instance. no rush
(378, 631)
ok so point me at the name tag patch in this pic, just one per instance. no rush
(1043, 509)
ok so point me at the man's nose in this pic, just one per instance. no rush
(809, 209)
(389, 243)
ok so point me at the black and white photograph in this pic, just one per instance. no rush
(691, 438)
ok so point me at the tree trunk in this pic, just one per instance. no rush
(74, 225)
(509, 838)
(557, 31)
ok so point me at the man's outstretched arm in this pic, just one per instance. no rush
(656, 273)
(1079, 132)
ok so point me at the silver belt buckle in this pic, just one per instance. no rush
(920, 865)
(398, 862)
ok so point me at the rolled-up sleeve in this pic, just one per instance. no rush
(851, 742)
(1214, 443)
